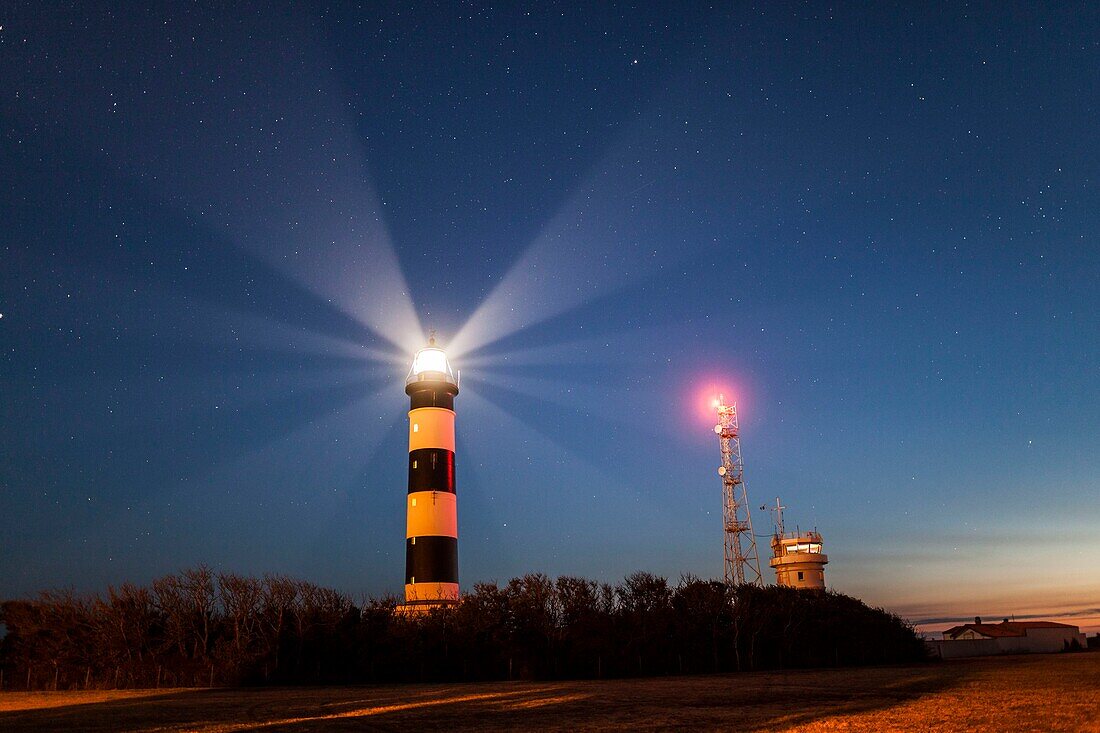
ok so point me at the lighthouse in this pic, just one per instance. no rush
(431, 530)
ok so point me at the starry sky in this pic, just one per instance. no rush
(225, 230)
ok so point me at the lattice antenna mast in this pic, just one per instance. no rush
(742, 562)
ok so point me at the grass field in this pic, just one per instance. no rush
(1023, 693)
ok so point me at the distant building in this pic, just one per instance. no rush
(1008, 637)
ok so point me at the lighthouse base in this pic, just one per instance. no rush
(423, 597)
(416, 608)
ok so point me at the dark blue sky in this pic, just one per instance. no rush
(223, 232)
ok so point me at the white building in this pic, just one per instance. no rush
(1008, 637)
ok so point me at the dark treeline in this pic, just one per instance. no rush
(204, 628)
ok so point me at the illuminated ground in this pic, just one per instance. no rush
(1054, 692)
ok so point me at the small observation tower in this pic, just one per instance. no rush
(796, 556)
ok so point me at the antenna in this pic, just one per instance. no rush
(431, 337)
(742, 564)
(777, 510)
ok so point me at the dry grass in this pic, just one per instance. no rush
(22, 701)
(1038, 693)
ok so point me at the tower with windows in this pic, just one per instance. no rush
(797, 557)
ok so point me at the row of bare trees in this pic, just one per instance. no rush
(197, 627)
(205, 628)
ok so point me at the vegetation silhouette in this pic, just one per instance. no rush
(201, 628)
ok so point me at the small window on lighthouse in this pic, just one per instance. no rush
(414, 502)
(414, 464)
(800, 576)
(416, 427)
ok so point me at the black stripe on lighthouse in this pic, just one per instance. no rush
(431, 469)
(431, 397)
(431, 559)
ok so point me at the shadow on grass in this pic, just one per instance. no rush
(751, 702)
(801, 702)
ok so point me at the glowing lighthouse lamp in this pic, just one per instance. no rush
(431, 530)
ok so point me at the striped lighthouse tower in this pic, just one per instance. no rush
(431, 534)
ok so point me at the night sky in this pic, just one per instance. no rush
(225, 230)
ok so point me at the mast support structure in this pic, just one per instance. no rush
(742, 563)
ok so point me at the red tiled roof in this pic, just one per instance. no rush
(994, 630)
(1005, 628)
